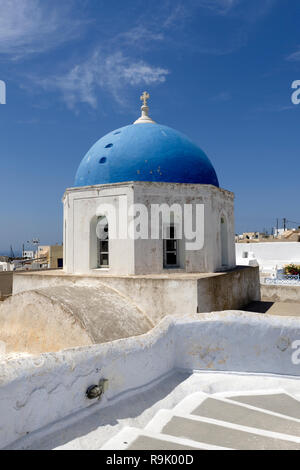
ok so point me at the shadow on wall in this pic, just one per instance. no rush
(6, 283)
(230, 290)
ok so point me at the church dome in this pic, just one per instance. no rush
(145, 151)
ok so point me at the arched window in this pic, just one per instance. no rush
(224, 242)
(102, 242)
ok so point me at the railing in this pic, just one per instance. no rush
(283, 279)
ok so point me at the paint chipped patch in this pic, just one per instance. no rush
(283, 343)
(209, 356)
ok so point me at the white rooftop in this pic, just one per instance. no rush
(188, 411)
(227, 380)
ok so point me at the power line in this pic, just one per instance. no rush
(292, 222)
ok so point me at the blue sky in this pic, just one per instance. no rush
(218, 70)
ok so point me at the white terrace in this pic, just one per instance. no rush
(229, 380)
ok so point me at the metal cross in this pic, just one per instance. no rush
(145, 96)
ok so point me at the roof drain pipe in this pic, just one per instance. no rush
(96, 391)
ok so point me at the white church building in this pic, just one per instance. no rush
(148, 232)
(144, 302)
(127, 179)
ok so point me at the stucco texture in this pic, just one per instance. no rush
(38, 391)
(278, 293)
(143, 256)
(55, 318)
(161, 295)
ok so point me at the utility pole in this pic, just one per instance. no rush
(12, 255)
(284, 224)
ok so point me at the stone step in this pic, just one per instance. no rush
(219, 433)
(282, 403)
(222, 409)
(138, 439)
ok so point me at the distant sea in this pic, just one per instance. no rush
(7, 253)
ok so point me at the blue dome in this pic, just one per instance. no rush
(145, 152)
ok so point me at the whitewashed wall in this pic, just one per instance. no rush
(217, 203)
(270, 255)
(82, 205)
(39, 390)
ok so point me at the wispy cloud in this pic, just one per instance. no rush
(175, 19)
(177, 14)
(295, 56)
(36, 26)
(248, 10)
(31, 26)
(219, 6)
(111, 73)
(271, 108)
(222, 96)
(140, 34)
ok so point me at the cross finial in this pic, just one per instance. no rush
(145, 110)
(145, 97)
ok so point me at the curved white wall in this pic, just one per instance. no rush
(39, 390)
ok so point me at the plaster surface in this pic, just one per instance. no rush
(161, 294)
(83, 205)
(234, 343)
(278, 293)
(56, 318)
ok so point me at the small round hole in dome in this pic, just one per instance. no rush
(102, 160)
(108, 146)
